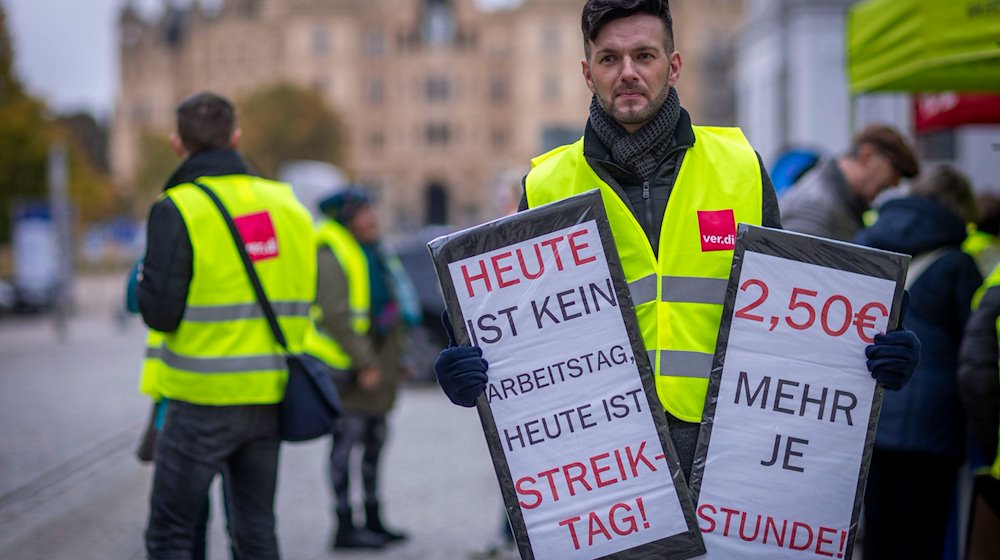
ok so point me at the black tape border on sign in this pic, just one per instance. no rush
(813, 250)
(533, 223)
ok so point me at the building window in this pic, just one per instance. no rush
(499, 91)
(375, 44)
(375, 91)
(550, 88)
(376, 140)
(437, 89)
(550, 38)
(320, 42)
(498, 138)
(438, 25)
(436, 209)
(437, 134)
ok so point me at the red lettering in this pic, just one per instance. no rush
(572, 530)
(633, 462)
(524, 267)
(483, 275)
(820, 541)
(551, 243)
(596, 528)
(575, 249)
(528, 492)
(729, 516)
(571, 479)
(601, 483)
(552, 483)
(499, 270)
(711, 522)
(631, 525)
(809, 536)
(771, 525)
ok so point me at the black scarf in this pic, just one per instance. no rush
(638, 153)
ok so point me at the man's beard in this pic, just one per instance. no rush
(622, 117)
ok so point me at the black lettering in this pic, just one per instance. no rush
(511, 438)
(821, 401)
(847, 409)
(538, 313)
(779, 394)
(564, 305)
(744, 383)
(510, 320)
(608, 297)
(489, 328)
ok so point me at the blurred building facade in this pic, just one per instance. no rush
(792, 91)
(444, 102)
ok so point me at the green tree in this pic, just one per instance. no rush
(24, 138)
(285, 122)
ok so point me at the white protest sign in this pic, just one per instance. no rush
(786, 439)
(576, 431)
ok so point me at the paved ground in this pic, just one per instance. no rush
(71, 489)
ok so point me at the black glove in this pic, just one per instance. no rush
(893, 358)
(460, 370)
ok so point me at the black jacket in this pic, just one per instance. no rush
(167, 266)
(649, 202)
(979, 374)
(926, 415)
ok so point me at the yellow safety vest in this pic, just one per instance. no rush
(223, 352)
(678, 297)
(992, 281)
(353, 262)
(151, 364)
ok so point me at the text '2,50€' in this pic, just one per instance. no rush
(807, 309)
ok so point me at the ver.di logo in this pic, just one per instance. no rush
(717, 229)
(258, 235)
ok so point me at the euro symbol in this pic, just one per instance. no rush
(864, 320)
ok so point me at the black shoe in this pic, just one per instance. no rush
(356, 537)
(373, 522)
(349, 536)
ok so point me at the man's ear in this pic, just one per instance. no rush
(586, 75)
(178, 145)
(675, 68)
(234, 140)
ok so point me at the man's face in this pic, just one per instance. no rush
(364, 225)
(629, 69)
(878, 172)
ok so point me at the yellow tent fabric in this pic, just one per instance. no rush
(924, 45)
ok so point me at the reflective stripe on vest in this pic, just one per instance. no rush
(677, 297)
(223, 352)
(354, 263)
(992, 281)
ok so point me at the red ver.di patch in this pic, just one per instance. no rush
(258, 234)
(717, 229)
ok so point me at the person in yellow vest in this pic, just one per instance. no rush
(979, 387)
(365, 304)
(641, 150)
(219, 365)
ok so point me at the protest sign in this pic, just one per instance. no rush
(576, 432)
(791, 411)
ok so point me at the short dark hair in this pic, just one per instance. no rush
(598, 13)
(890, 143)
(950, 188)
(205, 121)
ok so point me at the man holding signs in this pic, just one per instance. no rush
(640, 149)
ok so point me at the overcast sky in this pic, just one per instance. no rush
(65, 49)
